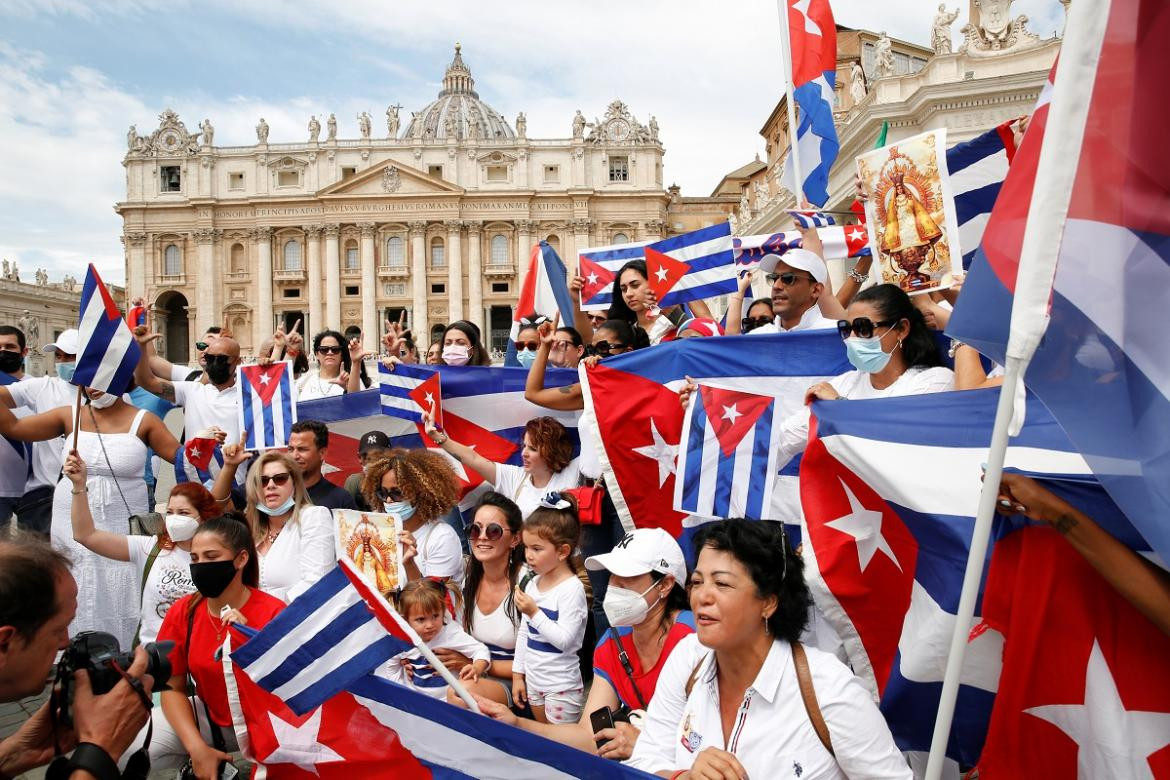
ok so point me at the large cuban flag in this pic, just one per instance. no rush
(545, 291)
(268, 404)
(890, 489)
(107, 351)
(977, 169)
(1100, 361)
(813, 37)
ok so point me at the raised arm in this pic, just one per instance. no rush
(580, 319)
(852, 284)
(830, 307)
(144, 377)
(735, 304)
(36, 427)
(461, 452)
(234, 455)
(969, 373)
(357, 354)
(567, 398)
(104, 543)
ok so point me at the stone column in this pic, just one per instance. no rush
(313, 241)
(135, 265)
(418, 284)
(263, 326)
(580, 241)
(333, 277)
(475, 274)
(454, 271)
(370, 330)
(206, 282)
(524, 241)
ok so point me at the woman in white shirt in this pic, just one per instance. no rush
(743, 697)
(420, 488)
(547, 455)
(294, 539)
(334, 374)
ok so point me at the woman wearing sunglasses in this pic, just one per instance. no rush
(333, 374)
(634, 302)
(294, 539)
(420, 488)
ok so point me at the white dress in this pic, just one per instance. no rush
(107, 590)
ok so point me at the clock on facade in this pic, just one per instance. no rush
(618, 130)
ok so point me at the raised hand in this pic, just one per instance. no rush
(684, 392)
(341, 380)
(236, 454)
(74, 468)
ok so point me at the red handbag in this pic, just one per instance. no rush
(589, 499)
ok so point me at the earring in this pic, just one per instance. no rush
(767, 628)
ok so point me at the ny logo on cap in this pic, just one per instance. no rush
(371, 439)
(624, 543)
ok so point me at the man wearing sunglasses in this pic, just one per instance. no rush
(798, 280)
(179, 373)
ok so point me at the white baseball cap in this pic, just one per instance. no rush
(642, 551)
(800, 259)
(66, 342)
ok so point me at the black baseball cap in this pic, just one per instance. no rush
(374, 440)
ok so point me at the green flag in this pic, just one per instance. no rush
(881, 141)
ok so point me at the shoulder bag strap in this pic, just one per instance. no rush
(629, 668)
(142, 591)
(217, 740)
(695, 675)
(809, 695)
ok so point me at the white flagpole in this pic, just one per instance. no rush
(1047, 213)
(786, 63)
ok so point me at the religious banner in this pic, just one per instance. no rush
(910, 213)
(370, 540)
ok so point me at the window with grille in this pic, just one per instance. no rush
(351, 257)
(396, 252)
(499, 254)
(172, 261)
(621, 238)
(292, 255)
(438, 259)
(619, 168)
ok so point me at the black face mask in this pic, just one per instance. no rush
(218, 371)
(211, 578)
(11, 362)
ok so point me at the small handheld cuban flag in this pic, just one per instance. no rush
(107, 351)
(727, 467)
(809, 219)
(268, 404)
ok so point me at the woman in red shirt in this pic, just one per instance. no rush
(226, 574)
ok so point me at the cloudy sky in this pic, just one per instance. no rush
(75, 73)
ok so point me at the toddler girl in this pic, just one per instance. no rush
(423, 605)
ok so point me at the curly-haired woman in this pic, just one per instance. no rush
(547, 456)
(419, 487)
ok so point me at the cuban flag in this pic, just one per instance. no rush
(728, 466)
(810, 219)
(890, 488)
(268, 404)
(977, 170)
(598, 266)
(545, 291)
(812, 36)
(482, 407)
(1100, 238)
(632, 410)
(840, 242)
(107, 351)
(332, 634)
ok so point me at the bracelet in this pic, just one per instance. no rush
(95, 760)
(679, 774)
(857, 277)
(84, 489)
(955, 344)
(446, 439)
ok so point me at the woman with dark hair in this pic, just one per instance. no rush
(161, 561)
(646, 604)
(226, 574)
(462, 345)
(527, 340)
(743, 697)
(334, 374)
(489, 604)
(634, 302)
(434, 356)
(547, 456)
(419, 487)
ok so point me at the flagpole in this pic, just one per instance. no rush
(1047, 214)
(786, 63)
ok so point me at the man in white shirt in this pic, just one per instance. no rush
(178, 373)
(29, 395)
(798, 281)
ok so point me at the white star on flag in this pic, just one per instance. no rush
(196, 453)
(731, 413)
(661, 274)
(660, 451)
(264, 379)
(298, 745)
(592, 278)
(856, 234)
(1112, 741)
(865, 526)
(809, 24)
(430, 398)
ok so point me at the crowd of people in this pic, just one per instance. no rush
(582, 633)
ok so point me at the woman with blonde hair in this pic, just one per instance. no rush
(420, 488)
(294, 539)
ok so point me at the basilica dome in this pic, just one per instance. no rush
(458, 111)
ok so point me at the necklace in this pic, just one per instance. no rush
(271, 536)
(217, 623)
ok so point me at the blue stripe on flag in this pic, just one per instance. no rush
(692, 479)
(762, 438)
(724, 484)
(317, 645)
(249, 416)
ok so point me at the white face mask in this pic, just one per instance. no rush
(103, 400)
(180, 527)
(626, 607)
(456, 355)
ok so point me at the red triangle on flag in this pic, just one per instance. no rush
(429, 398)
(663, 272)
(732, 413)
(264, 379)
(856, 238)
(597, 278)
(200, 451)
(487, 443)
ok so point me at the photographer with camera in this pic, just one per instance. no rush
(38, 598)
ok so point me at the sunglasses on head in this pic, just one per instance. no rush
(539, 319)
(389, 494)
(491, 532)
(862, 327)
(787, 278)
(277, 479)
(200, 345)
(529, 345)
(605, 348)
(751, 323)
(324, 350)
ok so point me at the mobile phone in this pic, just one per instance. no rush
(601, 718)
(228, 771)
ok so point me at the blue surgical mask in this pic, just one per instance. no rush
(275, 511)
(65, 371)
(526, 357)
(867, 354)
(404, 509)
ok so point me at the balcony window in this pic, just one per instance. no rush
(619, 168)
(499, 254)
(292, 255)
(172, 261)
(396, 252)
(438, 258)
